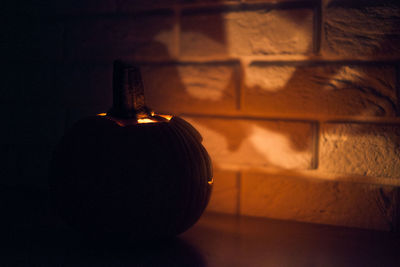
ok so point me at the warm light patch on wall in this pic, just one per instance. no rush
(212, 88)
(263, 29)
(258, 145)
(363, 149)
(262, 32)
(276, 148)
(270, 79)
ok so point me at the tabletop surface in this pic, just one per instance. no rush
(31, 235)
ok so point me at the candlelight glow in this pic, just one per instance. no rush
(150, 120)
(146, 120)
(123, 122)
(259, 146)
(167, 117)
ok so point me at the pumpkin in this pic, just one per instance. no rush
(130, 172)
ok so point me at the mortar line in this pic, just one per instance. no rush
(239, 85)
(177, 31)
(358, 120)
(317, 25)
(239, 188)
(397, 88)
(316, 139)
(244, 6)
(303, 60)
(253, 60)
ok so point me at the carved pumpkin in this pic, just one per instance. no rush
(131, 173)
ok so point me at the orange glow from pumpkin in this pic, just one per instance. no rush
(123, 122)
(146, 120)
(167, 117)
(150, 120)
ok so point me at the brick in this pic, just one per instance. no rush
(367, 29)
(320, 90)
(82, 85)
(139, 37)
(225, 192)
(247, 32)
(244, 143)
(365, 149)
(196, 88)
(319, 201)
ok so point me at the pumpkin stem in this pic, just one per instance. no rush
(128, 92)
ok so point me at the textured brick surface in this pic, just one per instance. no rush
(39, 100)
(365, 149)
(225, 191)
(318, 201)
(256, 143)
(320, 90)
(128, 37)
(369, 28)
(198, 88)
(252, 32)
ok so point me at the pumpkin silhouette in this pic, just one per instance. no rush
(131, 173)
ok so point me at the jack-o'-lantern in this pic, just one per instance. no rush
(131, 172)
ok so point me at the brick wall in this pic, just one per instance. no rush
(297, 101)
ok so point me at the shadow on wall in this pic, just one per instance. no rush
(275, 89)
(213, 88)
(271, 89)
